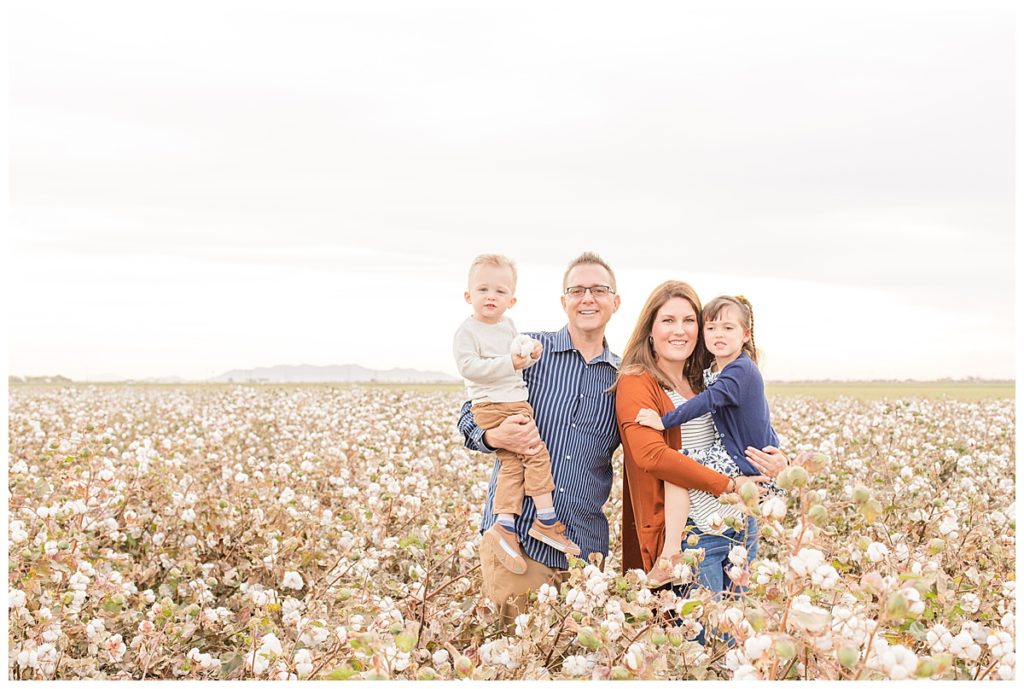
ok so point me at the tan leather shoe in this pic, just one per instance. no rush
(506, 547)
(554, 536)
(663, 572)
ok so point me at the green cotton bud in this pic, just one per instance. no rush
(871, 582)
(396, 628)
(936, 546)
(800, 476)
(896, 606)
(818, 515)
(619, 672)
(792, 477)
(463, 666)
(363, 643)
(755, 617)
(785, 649)
(587, 638)
(675, 638)
(848, 656)
(943, 663)
(749, 493)
(861, 494)
(785, 479)
(816, 461)
(871, 510)
(692, 540)
(426, 673)
(659, 637)
(406, 641)
(926, 667)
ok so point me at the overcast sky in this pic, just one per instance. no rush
(197, 187)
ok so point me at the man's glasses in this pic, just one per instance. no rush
(597, 291)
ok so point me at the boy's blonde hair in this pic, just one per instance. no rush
(496, 260)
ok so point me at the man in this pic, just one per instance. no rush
(575, 419)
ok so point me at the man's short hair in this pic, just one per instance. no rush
(588, 258)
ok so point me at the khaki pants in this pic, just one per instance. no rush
(518, 475)
(511, 591)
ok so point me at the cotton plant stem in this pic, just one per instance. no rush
(650, 625)
(982, 675)
(423, 606)
(328, 658)
(871, 640)
(450, 582)
(554, 643)
(803, 523)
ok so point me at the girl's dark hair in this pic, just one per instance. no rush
(744, 314)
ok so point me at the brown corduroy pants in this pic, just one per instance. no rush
(519, 475)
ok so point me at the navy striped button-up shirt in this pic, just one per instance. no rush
(576, 420)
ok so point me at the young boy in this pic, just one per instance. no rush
(482, 348)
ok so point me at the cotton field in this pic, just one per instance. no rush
(315, 532)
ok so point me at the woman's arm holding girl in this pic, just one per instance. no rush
(652, 453)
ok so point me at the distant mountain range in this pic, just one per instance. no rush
(348, 373)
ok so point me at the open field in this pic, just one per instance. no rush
(816, 390)
(893, 391)
(234, 531)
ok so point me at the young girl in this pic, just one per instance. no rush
(735, 397)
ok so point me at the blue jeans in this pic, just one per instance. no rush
(712, 574)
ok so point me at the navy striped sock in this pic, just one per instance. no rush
(508, 522)
(547, 517)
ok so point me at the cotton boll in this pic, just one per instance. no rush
(522, 345)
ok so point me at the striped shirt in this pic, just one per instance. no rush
(576, 421)
(702, 443)
(700, 434)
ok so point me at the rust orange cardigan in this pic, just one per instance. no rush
(651, 457)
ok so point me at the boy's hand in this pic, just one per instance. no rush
(538, 348)
(650, 418)
(519, 361)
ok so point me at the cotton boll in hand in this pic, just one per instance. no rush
(523, 345)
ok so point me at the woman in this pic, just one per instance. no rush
(666, 356)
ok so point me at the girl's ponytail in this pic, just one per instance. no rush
(749, 347)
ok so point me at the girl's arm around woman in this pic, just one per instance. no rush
(656, 452)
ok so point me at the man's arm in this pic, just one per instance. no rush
(473, 434)
(517, 433)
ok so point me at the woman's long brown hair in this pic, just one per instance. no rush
(639, 356)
